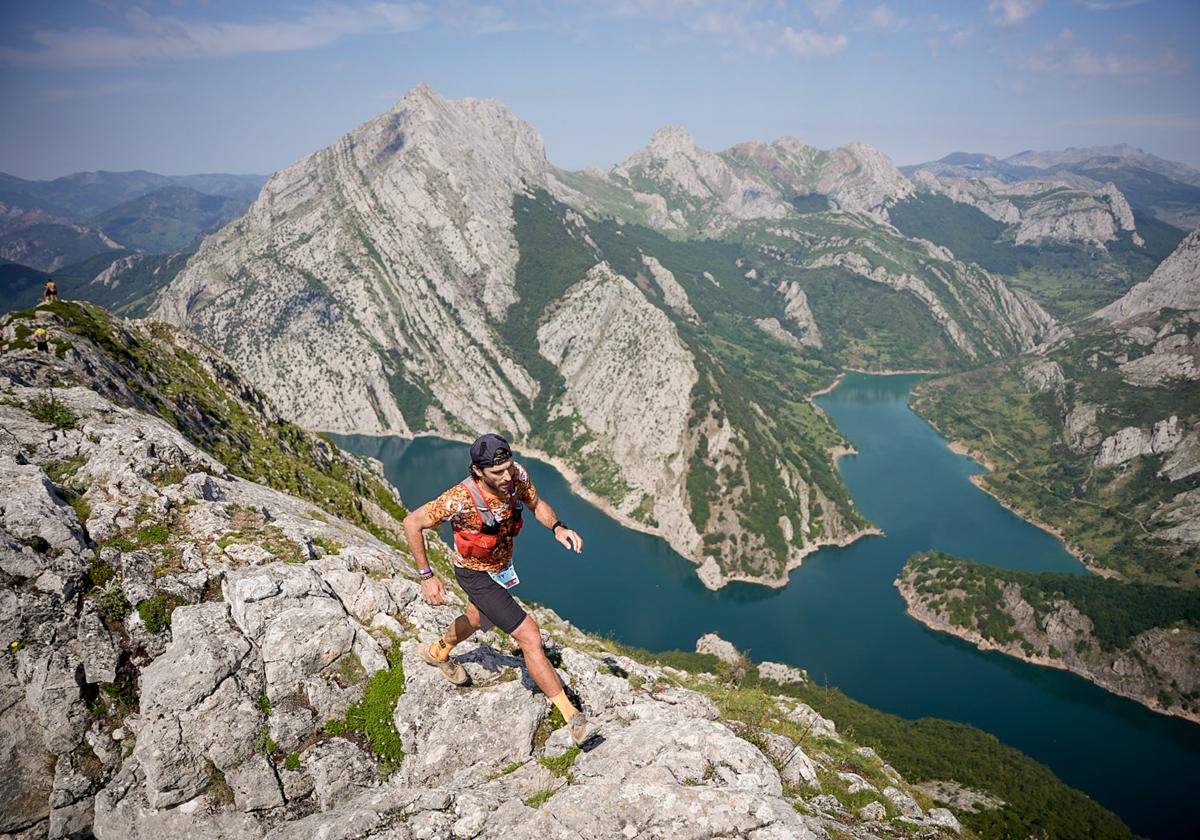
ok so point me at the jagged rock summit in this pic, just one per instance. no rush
(373, 260)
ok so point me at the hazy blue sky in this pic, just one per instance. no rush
(178, 86)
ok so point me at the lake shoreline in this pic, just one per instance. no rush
(959, 447)
(913, 608)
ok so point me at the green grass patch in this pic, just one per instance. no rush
(540, 798)
(328, 544)
(50, 409)
(156, 612)
(561, 764)
(155, 533)
(62, 471)
(372, 716)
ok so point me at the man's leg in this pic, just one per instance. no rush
(459, 631)
(530, 639)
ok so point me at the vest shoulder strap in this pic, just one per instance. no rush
(485, 512)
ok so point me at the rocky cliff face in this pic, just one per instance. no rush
(1042, 211)
(1175, 284)
(192, 651)
(1156, 667)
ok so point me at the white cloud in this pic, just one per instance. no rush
(1065, 56)
(150, 38)
(882, 16)
(808, 43)
(1012, 12)
(960, 38)
(1109, 5)
(824, 10)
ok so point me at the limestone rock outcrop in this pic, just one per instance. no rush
(196, 653)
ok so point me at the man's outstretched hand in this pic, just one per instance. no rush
(433, 592)
(569, 539)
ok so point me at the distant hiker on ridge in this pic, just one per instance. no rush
(51, 293)
(485, 511)
(41, 339)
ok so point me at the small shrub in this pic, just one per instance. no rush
(264, 706)
(156, 612)
(113, 606)
(292, 761)
(49, 409)
(100, 573)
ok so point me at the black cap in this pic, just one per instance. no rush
(490, 450)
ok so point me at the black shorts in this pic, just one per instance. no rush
(497, 607)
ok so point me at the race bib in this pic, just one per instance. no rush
(506, 577)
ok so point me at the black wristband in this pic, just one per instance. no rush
(557, 524)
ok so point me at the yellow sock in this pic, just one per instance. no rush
(440, 649)
(564, 705)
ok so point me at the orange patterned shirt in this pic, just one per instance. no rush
(456, 505)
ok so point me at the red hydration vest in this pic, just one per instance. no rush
(480, 544)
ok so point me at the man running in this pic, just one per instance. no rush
(485, 512)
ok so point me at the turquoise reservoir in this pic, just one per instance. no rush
(840, 617)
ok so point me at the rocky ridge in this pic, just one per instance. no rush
(194, 651)
(1041, 211)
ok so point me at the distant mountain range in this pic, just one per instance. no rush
(1167, 189)
(50, 224)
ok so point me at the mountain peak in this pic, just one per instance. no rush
(671, 139)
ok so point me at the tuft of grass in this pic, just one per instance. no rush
(169, 475)
(292, 761)
(81, 507)
(119, 542)
(156, 612)
(351, 670)
(62, 470)
(330, 545)
(540, 798)
(50, 409)
(549, 723)
(153, 534)
(507, 770)
(263, 704)
(560, 765)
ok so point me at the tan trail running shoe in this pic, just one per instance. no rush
(579, 728)
(449, 669)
